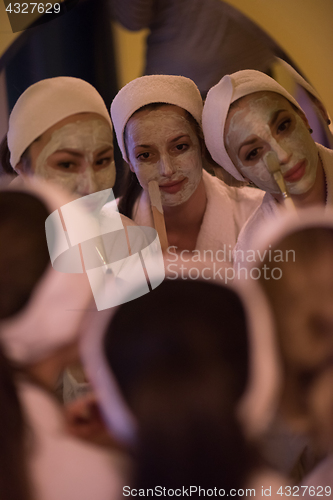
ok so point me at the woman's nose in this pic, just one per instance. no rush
(87, 182)
(282, 154)
(166, 166)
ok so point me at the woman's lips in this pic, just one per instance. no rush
(296, 172)
(172, 187)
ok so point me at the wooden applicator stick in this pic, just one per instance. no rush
(157, 209)
(273, 166)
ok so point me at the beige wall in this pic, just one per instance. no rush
(130, 53)
(6, 35)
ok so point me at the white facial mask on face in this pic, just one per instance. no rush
(86, 137)
(292, 146)
(165, 164)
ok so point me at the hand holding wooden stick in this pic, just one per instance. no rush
(273, 166)
(157, 210)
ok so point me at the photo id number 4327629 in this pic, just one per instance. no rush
(301, 491)
(30, 8)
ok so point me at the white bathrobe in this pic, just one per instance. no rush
(227, 210)
(62, 467)
(269, 207)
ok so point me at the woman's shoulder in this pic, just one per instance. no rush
(246, 193)
(239, 194)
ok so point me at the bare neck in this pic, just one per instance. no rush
(183, 221)
(315, 196)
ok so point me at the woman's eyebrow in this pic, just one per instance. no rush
(276, 116)
(109, 148)
(247, 143)
(179, 137)
(70, 152)
(142, 146)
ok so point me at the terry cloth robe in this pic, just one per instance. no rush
(61, 466)
(269, 209)
(227, 210)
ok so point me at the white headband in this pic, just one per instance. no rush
(256, 407)
(168, 89)
(215, 112)
(52, 316)
(115, 410)
(259, 403)
(44, 104)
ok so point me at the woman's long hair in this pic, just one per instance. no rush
(180, 357)
(24, 254)
(23, 259)
(130, 192)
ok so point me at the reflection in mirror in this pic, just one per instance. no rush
(200, 40)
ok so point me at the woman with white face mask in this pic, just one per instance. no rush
(60, 129)
(157, 120)
(248, 114)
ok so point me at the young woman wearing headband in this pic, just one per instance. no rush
(157, 121)
(60, 129)
(248, 114)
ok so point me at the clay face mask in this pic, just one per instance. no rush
(266, 121)
(162, 146)
(72, 157)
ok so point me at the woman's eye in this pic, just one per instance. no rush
(143, 156)
(252, 154)
(65, 164)
(182, 147)
(284, 125)
(104, 161)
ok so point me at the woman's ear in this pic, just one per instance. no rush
(130, 167)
